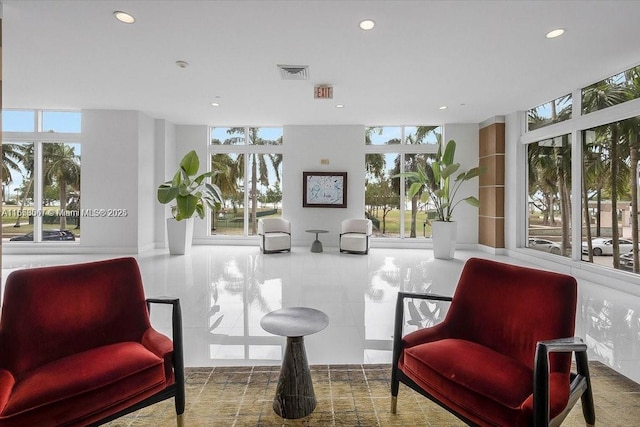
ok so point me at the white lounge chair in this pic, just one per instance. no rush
(275, 235)
(355, 235)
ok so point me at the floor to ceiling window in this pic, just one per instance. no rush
(249, 165)
(41, 176)
(549, 166)
(610, 195)
(391, 150)
(604, 131)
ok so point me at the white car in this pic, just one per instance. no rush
(626, 261)
(604, 246)
(544, 245)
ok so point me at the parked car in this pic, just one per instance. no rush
(544, 245)
(626, 261)
(48, 235)
(604, 246)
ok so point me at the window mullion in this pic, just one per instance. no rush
(576, 195)
(37, 190)
(38, 120)
(403, 144)
(402, 197)
(247, 186)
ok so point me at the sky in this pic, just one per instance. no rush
(57, 121)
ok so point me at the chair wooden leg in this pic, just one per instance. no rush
(588, 407)
(394, 404)
(180, 420)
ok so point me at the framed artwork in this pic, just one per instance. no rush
(324, 189)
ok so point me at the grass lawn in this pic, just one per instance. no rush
(232, 223)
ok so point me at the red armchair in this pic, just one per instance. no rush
(502, 355)
(77, 347)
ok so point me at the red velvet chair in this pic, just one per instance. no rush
(77, 347)
(502, 355)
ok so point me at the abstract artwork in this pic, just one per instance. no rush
(324, 189)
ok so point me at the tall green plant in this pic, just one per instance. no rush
(440, 181)
(189, 190)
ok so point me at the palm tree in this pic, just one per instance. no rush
(61, 166)
(259, 168)
(632, 127)
(632, 137)
(12, 158)
(594, 176)
(536, 120)
(228, 176)
(543, 180)
(549, 175)
(549, 168)
(411, 162)
(27, 157)
(563, 164)
(374, 162)
(601, 95)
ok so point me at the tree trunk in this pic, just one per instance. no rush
(615, 232)
(598, 213)
(633, 157)
(414, 215)
(587, 217)
(62, 214)
(565, 203)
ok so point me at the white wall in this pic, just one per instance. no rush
(110, 179)
(147, 184)
(304, 147)
(118, 173)
(515, 193)
(165, 162)
(467, 138)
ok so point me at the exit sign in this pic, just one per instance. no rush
(323, 92)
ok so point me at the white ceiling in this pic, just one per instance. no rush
(480, 58)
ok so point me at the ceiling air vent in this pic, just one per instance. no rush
(294, 72)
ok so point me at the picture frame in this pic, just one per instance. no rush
(324, 189)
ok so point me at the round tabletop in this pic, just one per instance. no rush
(317, 231)
(294, 321)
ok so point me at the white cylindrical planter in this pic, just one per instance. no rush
(180, 236)
(443, 235)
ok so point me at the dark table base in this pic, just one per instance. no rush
(294, 395)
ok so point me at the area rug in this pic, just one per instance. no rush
(347, 395)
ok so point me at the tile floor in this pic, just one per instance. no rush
(225, 291)
(348, 395)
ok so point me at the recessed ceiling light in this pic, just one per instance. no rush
(339, 105)
(215, 104)
(124, 17)
(367, 24)
(555, 33)
(182, 64)
(444, 107)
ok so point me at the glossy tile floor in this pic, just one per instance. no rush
(348, 396)
(226, 290)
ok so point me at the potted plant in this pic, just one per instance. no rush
(441, 179)
(191, 193)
